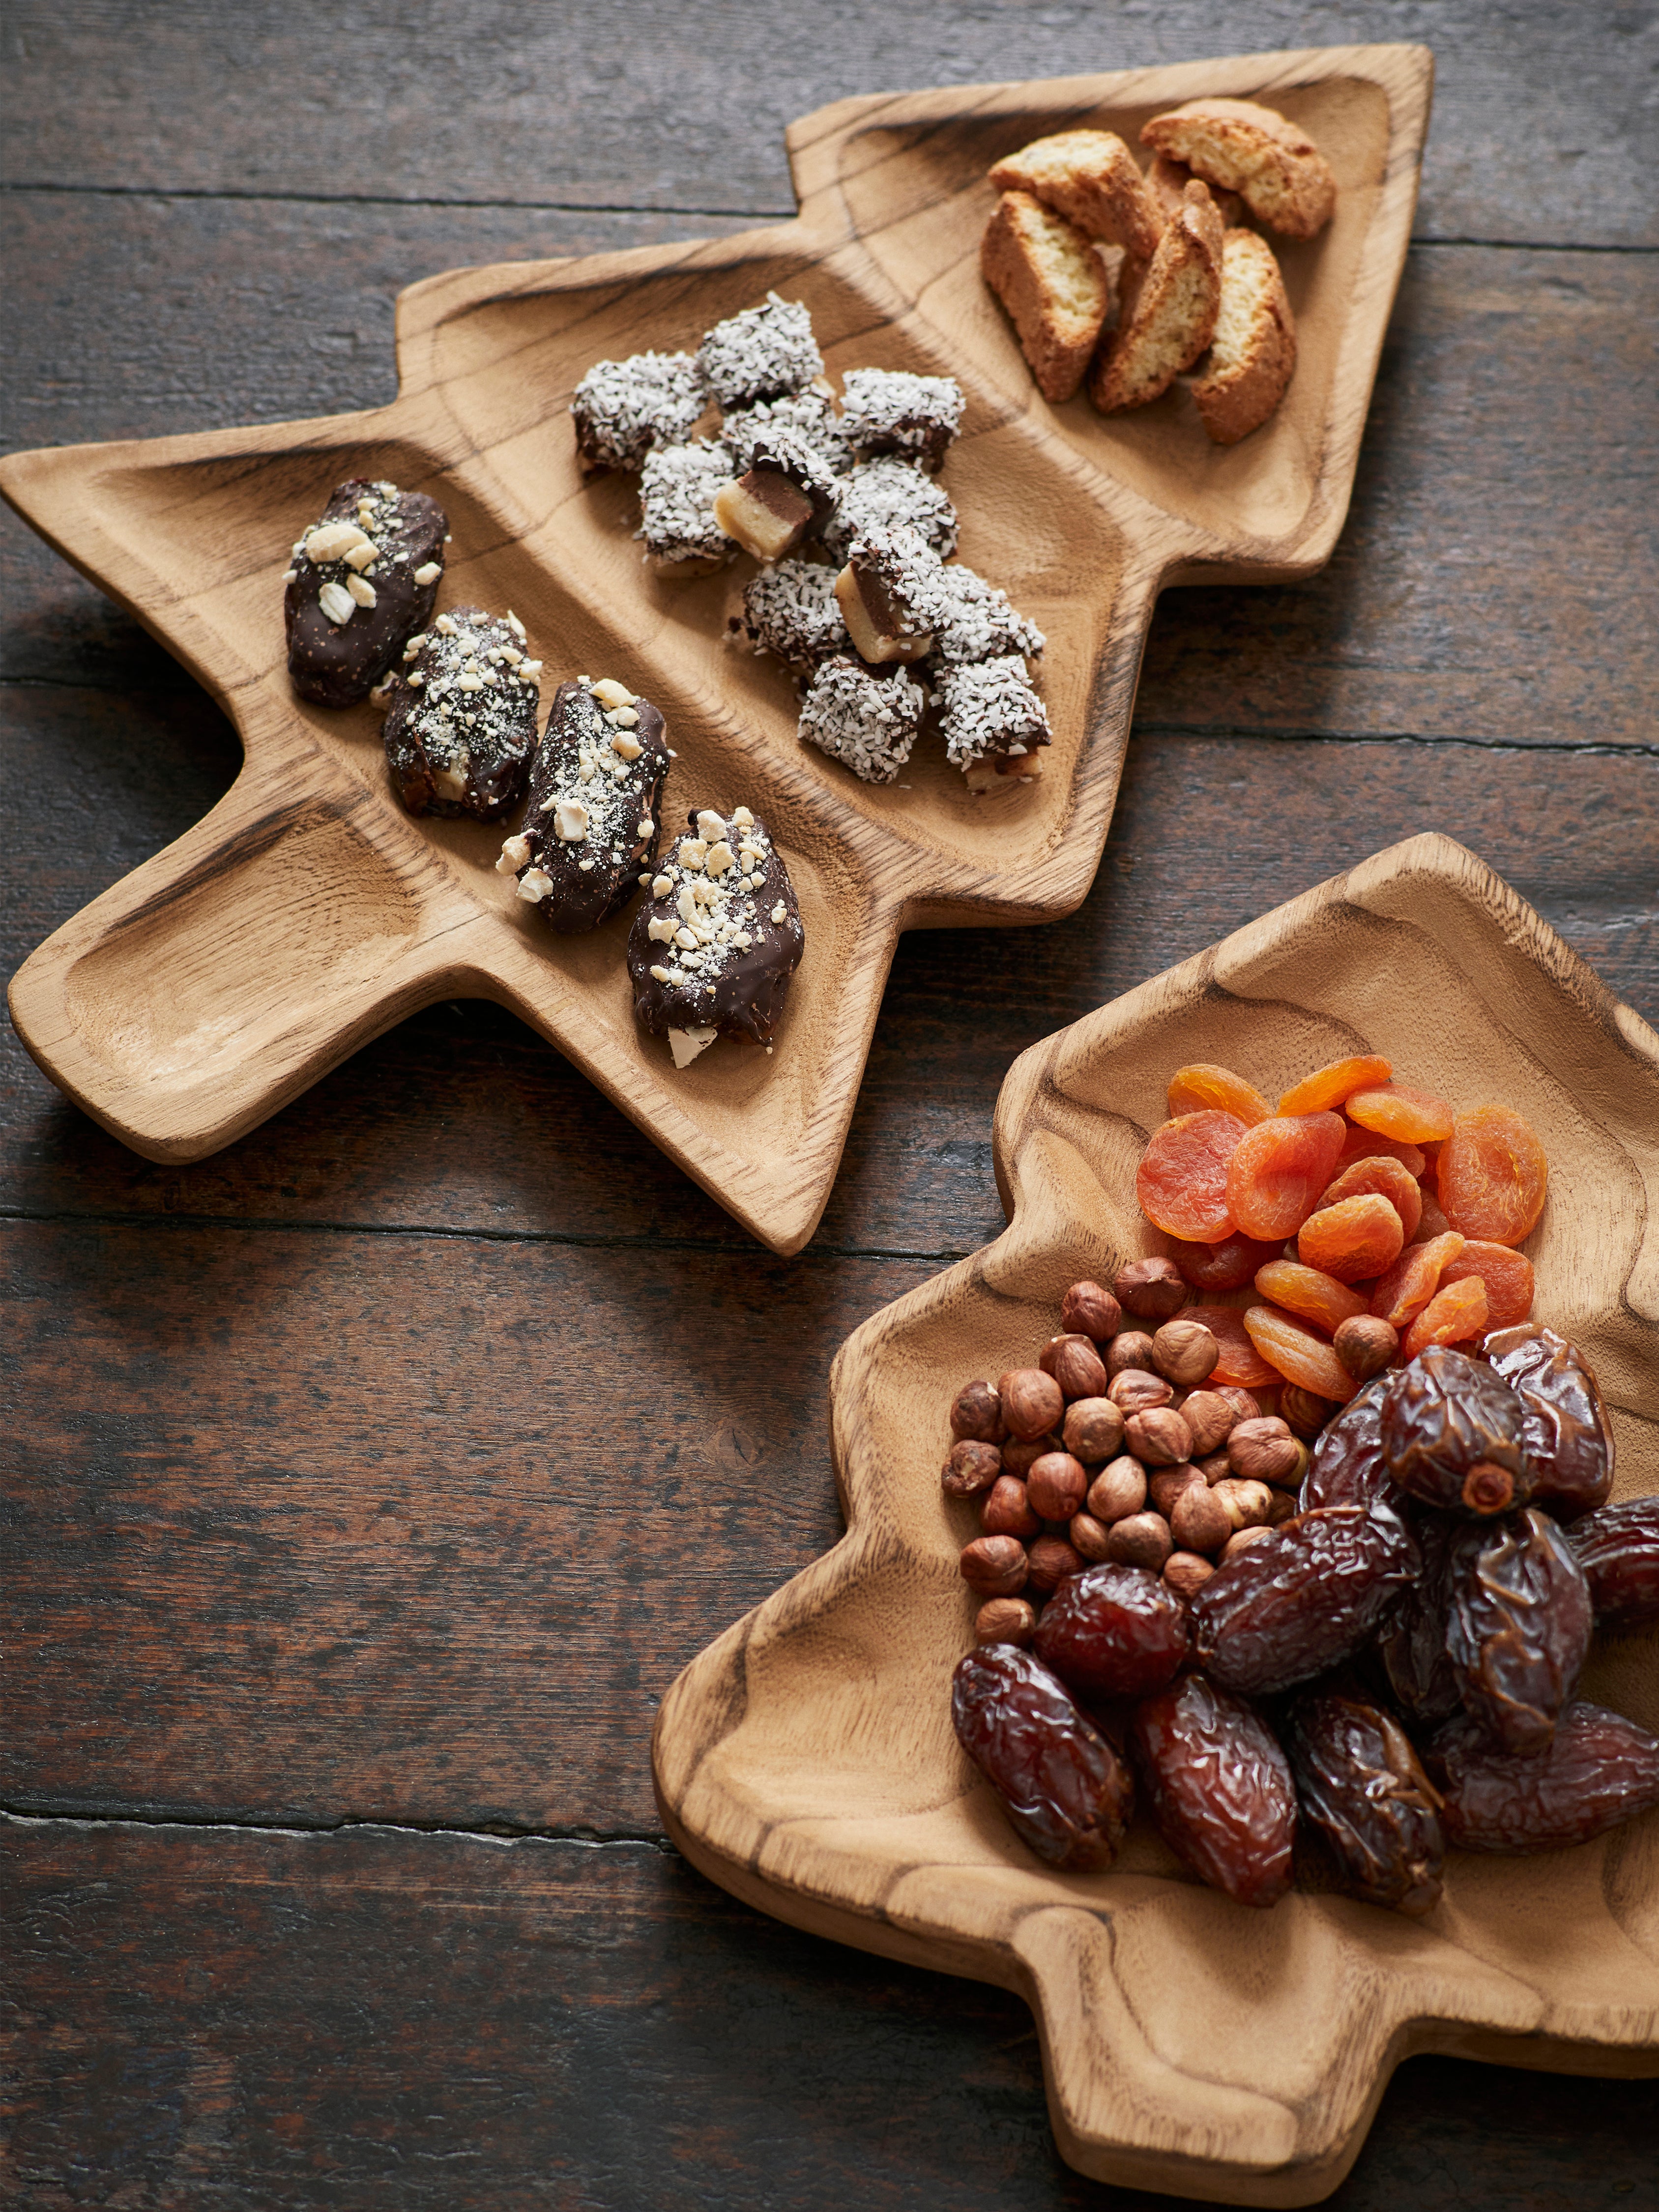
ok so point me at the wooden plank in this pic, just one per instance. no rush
(1538, 128)
(376, 2019)
(342, 1526)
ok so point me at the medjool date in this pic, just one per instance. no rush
(1566, 1436)
(1412, 1642)
(1518, 1626)
(1359, 1782)
(1452, 1434)
(1115, 1631)
(1301, 1598)
(1219, 1786)
(1065, 1789)
(1598, 1770)
(1618, 1547)
(1348, 1467)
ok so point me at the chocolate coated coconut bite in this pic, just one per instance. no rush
(461, 716)
(866, 720)
(712, 952)
(888, 411)
(891, 495)
(809, 416)
(892, 595)
(595, 790)
(791, 612)
(622, 409)
(364, 579)
(783, 498)
(980, 623)
(678, 485)
(992, 721)
(760, 354)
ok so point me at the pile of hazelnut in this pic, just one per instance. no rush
(1113, 1448)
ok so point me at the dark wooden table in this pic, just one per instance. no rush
(367, 1485)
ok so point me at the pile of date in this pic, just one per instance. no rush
(1325, 1648)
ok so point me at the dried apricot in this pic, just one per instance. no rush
(1407, 1287)
(1416, 1116)
(1204, 1088)
(1353, 1240)
(1296, 1354)
(1329, 1086)
(1431, 1222)
(1303, 1290)
(1370, 1145)
(1182, 1181)
(1492, 1176)
(1227, 1266)
(1239, 1361)
(1389, 1178)
(1506, 1274)
(1456, 1312)
(1278, 1170)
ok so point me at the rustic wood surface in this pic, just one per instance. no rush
(388, 1467)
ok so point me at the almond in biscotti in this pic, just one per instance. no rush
(1277, 170)
(1054, 285)
(1169, 315)
(1252, 353)
(1091, 179)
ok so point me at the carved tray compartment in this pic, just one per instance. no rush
(806, 1761)
(307, 913)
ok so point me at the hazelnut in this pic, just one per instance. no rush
(1151, 1289)
(1075, 1365)
(1088, 1309)
(972, 1466)
(1119, 1490)
(1166, 1484)
(1007, 1510)
(1005, 1620)
(1305, 1413)
(976, 1412)
(1052, 1558)
(1134, 1391)
(1283, 1506)
(1094, 1428)
(995, 1565)
(1056, 1485)
(1298, 1473)
(1210, 1419)
(1183, 1352)
(1264, 1449)
(1142, 1540)
(1089, 1538)
(1365, 1345)
(1131, 1347)
(1185, 1573)
(1242, 1539)
(1247, 1505)
(1158, 1437)
(1241, 1402)
(1199, 1520)
(1213, 1467)
(1032, 1402)
(1020, 1459)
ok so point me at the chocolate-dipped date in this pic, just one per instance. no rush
(364, 579)
(461, 716)
(1618, 1547)
(1453, 1434)
(1360, 1784)
(1566, 1436)
(892, 595)
(1598, 1770)
(1065, 1789)
(591, 822)
(785, 497)
(1517, 1625)
(711, 951)
(1302, 1598)
(1219, 1787)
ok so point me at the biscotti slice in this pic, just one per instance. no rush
(1049, 276)
(1172, 317)
(1253, 352)
(1091, 179)
(1166, 180)
(1281, 175)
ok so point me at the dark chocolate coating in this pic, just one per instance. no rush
(577, 724)
(744, 995)
(336, 664)
(462, 752)
(779, 453)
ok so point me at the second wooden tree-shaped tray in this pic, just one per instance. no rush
(307, 912)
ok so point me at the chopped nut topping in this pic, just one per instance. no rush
(629, 748)
(337, 603)
(534, 885)
(692, 852)
(661, 886)
(515, 852)
(570, 820)
(779, 912)
(529, 671)
(414, 645)
(466, 681)
(709, 824)
(661, 974)
(610, 693)
(743, 818)
(659, 930)
(332, 541)
(361, 590)
(720, 858)
(428, 573)
(444, 626)
(364, 555)
(644, 826)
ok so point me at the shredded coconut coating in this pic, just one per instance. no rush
(792, 611)
(677, 486)
(986, 707)
(910, 573)
(888, 410)
(980, 622)
(622, 409)
(760, 354)
(810, 415)
(868, 723)
(891, 495)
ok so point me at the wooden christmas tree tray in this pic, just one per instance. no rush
(806, 1761)
(307, 912)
